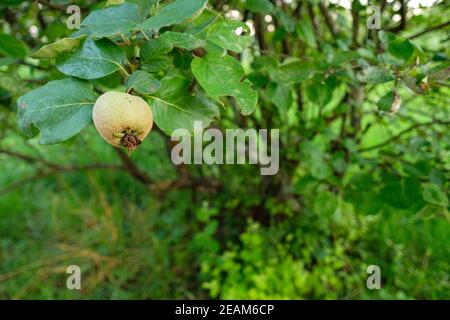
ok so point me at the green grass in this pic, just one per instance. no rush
(132, 244)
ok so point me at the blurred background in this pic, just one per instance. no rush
(355, 187)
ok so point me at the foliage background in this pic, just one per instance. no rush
(356, 186)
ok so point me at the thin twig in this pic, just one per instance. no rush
(401, 133)
(259, 32)
(131, 167)
(56, 170)
(53, 6)
(355, 27)
(402, 12)
(329, 21)
(421, 33)
(315, 25)
(145, 35)
(27, 158)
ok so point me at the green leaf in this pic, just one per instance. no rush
(258, 79)
(174, 108)
(259, 6)
(154, 56)
(344, 57)
(156, 64)
(281, 96)
(182, 40)
(213, 48)
(224, 34)
(366, 54)
(12, 2)
(201, 23)
(430, 211)
(173, 13)
(401, 49)
(325, 203)
(155, 47)
(268, 63)
(114, 2)
(60, 109)
(321, 93)
(418, 86)
(316, 160)
(306, 33)
(12, 47)
(222, 76)
(440, 72)
(374, 74)
(143, 82)
(293, 72)
(398, 47)
(52, 50)
(434, 195)
(401, 192)
(386, 101)
(390, 60)
(286, 20)
(112, 21)
(146, 6)
(95, 59)
(7, 61)
(389, 102)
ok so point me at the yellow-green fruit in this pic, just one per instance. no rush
(122, 119)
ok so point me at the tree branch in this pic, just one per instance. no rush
(58, 167)
(219, 4)
(259, 32)
(185, 181)
(329, 21)
(28, 158)
(131, 167)
(421, 33)
(315, 24)
(355, 26)
(53, 6)
(56, 170)
(402, 12)
(401, 133)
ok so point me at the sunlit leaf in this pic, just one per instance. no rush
(93, 60)
(225, 34)
(173, 13)
(53, 50)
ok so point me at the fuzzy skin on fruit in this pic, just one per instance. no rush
(116, 114)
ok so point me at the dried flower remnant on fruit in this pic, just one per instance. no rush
(129, 140)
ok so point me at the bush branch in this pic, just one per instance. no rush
(329, 21)
(421, 33)
(132, 168)
(401, 133)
